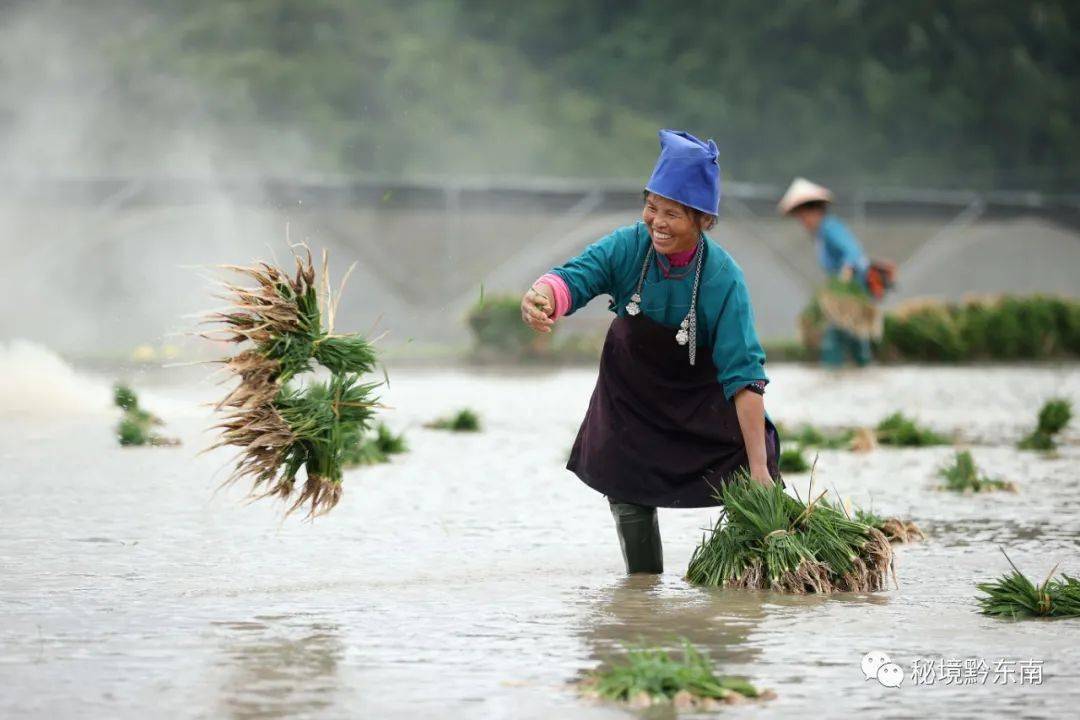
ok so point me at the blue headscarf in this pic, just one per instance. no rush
(687, 172)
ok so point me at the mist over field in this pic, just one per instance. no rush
(141, 142)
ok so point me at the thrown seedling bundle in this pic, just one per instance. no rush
(281, 428)
(1015, 596)
(767, 540)
(963, 476)
(651, 676)
(1053, 417)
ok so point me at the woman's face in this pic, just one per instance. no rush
(672, 228)
(809, 217)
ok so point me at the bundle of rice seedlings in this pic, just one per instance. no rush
(136, 425)
(896, 529)
(1054, 415)
(304, 427)
(848, 306)
(282, 428)
(1015, 596)
(767, 540)
(902, 431)
(373, 449)
(651, 676)
(963, 476)
(124, 397)
(792, 460)
(462, 421)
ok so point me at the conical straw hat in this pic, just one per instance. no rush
(802, 191)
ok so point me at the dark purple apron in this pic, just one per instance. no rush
(659, 431)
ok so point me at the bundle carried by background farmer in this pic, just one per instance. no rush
(280, 423)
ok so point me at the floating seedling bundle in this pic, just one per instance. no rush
(373, 449)
(464, 420)
(792, 460)
(767, 540)
(897, 429)
(1053, 417)
(1015, 596)
(136, 427)
(280, 426)
(963, 476)
(651, 676)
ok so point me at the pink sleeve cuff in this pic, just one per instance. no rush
(562, 293)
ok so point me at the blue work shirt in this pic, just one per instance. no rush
(837, 247)
(612, 266)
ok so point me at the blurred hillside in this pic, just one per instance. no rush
(956, 93)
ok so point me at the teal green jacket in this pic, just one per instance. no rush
(612, 266)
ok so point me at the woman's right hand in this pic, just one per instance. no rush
(537, 306)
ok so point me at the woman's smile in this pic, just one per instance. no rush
(660, 237)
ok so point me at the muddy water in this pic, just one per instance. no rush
(474, 577)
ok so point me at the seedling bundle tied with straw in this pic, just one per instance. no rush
(768, 540)
(281, 425)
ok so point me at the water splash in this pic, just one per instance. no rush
(35, 381)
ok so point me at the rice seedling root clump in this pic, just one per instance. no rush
(896, 529)
(285, 325)
(766, 539)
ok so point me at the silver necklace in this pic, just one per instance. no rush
(687, 332)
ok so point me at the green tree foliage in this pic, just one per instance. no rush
(950, 93)
(953, 92)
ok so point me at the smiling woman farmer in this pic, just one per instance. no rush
(678, 405)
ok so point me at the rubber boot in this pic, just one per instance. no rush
(639, 537)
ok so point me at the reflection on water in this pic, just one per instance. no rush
(270, 670)
(648, 610)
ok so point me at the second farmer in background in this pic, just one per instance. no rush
(848, 302)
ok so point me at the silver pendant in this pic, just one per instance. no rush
(682, 337)
(633, 307)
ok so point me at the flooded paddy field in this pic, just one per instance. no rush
(476, 577)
